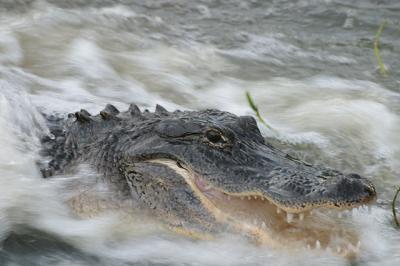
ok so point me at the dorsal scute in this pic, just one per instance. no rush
(109, 112)
(134, 110)
(111, 109)
(161, 110)
(83, 116)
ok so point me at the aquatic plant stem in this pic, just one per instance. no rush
(394, 207)
(377, 43)
(255, 109)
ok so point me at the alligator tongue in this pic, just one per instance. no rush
(207, 189)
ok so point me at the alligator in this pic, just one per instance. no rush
(202, 173)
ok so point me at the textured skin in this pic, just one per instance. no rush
(120, 145)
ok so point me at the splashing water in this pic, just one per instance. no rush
(308, 64)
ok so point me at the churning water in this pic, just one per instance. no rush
(309, 64)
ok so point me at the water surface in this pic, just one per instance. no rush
(309, 65)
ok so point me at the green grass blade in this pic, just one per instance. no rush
(377, 52)
(394, 207)
(254, 107)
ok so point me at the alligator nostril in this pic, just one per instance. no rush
(370, 190)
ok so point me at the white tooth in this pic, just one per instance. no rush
(255, 222)
(301, 216)
(249, 197)
(338, 249)
(229, 197)
(263, 225)
(358, 244)
(242, 198)
(289, 217)
(262, 198)
(255, 197)
(308, 246)
(317, 244)
(340, 215)
(369, 209)
(278, 210)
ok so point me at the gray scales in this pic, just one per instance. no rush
(200, 172)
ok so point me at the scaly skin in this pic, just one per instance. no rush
(201, 172)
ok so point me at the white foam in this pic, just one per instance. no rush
(10, 50)
(87, 59)
(117, 10)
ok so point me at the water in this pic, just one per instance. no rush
(308, 64)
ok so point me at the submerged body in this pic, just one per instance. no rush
(203, 172)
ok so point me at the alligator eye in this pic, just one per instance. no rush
(215, 137)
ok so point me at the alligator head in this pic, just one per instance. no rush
(204, 172)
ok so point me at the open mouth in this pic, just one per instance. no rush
(254, 214)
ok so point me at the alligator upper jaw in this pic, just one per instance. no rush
(277, 225)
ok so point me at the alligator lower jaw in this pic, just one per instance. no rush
(264, 221)
(268, 224)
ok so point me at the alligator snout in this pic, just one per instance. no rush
(352, 189)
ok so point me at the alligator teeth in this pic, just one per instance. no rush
(229, 197)
(317, 244)
(289, 217)
(340, 215)
(255, 222)
(249, 197)
(255, 197)
(278, 211)
(242, 198)
(358, 245)
(262, 198)
(263, 225)
(308, 247)
(369, 209)
(338, 249)
(301, 216)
